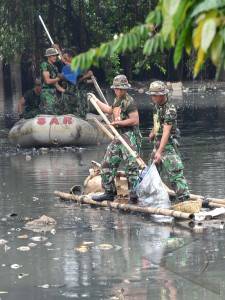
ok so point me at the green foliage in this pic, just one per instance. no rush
(190, 25)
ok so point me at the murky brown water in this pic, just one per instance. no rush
(143, 260)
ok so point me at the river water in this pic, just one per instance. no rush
(125, 256)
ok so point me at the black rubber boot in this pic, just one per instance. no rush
(107, 196)
(133, 197)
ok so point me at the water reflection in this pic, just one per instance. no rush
(146, 261)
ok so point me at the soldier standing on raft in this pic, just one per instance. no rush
(126, 121)
(50, 85)
(164, 135)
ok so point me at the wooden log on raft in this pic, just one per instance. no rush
(84, 199)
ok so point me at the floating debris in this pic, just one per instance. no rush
(21, 275)
(3, 242)
(16, 266)
(48, 244)
(24, 248)
(32, 245)
(88, 243)
(39, 238)
(44, 286)
(23, 237)
(104, 247)
(6, 248)
(42, 221)
(3, 292)
(53, 231)
(28, 157)
(82, 249)
(35, 199)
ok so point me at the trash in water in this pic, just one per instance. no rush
(53, 231)
(48, 244)
(104, 247)
(32, 245)
(22, 237)
(28, 157)
(42, 221)
(82, 249)
(88, 243)
(38, 238)
(6, 248)
(44, 286)
(3, 292)
(23, 248)
(3, 242)
(16, 266)
(21, 275)
(35, 198)
(175, 242)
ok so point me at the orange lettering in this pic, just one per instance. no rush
(54, 121)
(67, 120)
(41, 121)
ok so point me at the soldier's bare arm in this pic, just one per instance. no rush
(48, 80)
(104, 107)
(133, 120)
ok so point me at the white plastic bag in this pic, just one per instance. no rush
(151, 192)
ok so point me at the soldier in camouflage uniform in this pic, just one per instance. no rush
(75, 97)
(50, 102)
(126, 120)
(28, 106)
(165, 134)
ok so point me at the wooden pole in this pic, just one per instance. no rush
(104, 129)
(99, 90)
(84, 199)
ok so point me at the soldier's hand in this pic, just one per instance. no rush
(157, 157)
(60, 76)
(151, 136)
(91, 95)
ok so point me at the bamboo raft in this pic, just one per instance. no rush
(196, 222)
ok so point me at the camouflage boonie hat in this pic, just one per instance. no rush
(120, 82)
(157, 88)
(51, 52)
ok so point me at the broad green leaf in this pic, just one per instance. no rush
(148, 47)
(170, 6)
(199, 62)
(197, 35)
(208, 33)
(207, 5)
(216, 49)
(181, 43)
(181, 12)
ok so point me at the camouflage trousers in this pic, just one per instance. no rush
(31, 113)
(49, 102)
(75, 101)
(115, 154)
(172, 167)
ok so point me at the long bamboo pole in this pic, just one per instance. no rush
(84, 199)
(99, 90)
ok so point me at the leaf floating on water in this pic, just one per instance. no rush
(104, 247)
(7, 248)
(23, 237)
(82, 249)
(48, 244)
(16, 266)
(23, 248)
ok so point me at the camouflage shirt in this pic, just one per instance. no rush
(165, 114)
(53, 71)
(126, 105)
